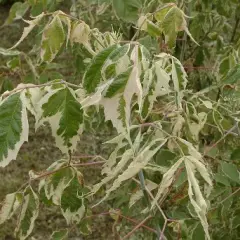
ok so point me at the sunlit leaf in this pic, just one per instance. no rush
(52, 39)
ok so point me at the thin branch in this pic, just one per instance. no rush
(230, 196)
(222, 138)
(48, 173)
(7, 93)
(136, 228)
(235, 29)
(164, 227)
(87, 164)
(122, 216)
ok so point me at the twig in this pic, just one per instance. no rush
(230, 196)
(87, 164)
(136, 228)
(122, 216)
(235, 29)
(164, 227)
(37, 86)
(222, 138)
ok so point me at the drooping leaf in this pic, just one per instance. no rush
(59, 235)
(72, 202)
(127, 10)
(62, 110)
(17, 11)
(139, 194)
(133, 85)
(93, 76)
(167, 180)
(13, 127)
(52, 39)
(172, 20)
(127, 155)
(28, 29)
(179, 78)
(80, 33)
(138, 163)
(196, 197)
(28, 215)
(10, 204)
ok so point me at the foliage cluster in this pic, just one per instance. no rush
(165, 76)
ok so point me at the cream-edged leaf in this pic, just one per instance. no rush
(9, 206)
(137, 164)
(72, 202)
(52, 39)
(64, 113)
(29, 28)
(139, 194)
(55, 184)
(13, 127)
(127, 155)
(194, 191)
(166, 182)
(28, 215)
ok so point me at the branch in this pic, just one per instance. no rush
(235, 29)
(122, 216)
(230, 196)
(27, 86)
(222, 138)
(136, 228)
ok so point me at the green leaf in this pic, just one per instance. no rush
(198, 233)
(231, 171)
(93, 76)
(115, 55)
(28, 214)
(59, 234)
(233, 75)
(9, 206)
(164, 157)
(85, 227)
(172, 23)
(72, 202)
(118, 84)
(62, 110)
(235, 155)
(13, 127)
(153, 29)
(127, 10)
(52, 39)
(55, 184)
(220, 178)
(17, 11)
